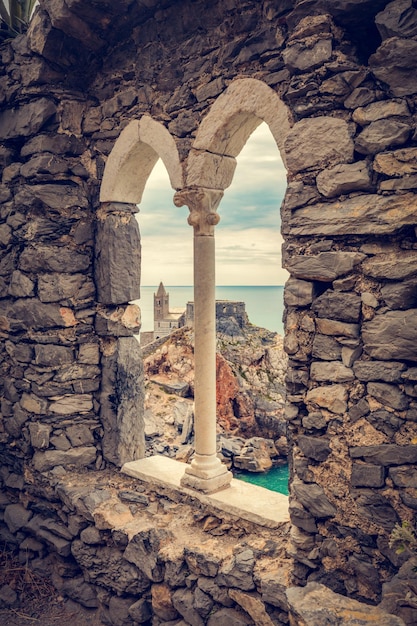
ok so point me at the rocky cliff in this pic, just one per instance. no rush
(251, 365)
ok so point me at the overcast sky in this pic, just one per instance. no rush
(248, 239)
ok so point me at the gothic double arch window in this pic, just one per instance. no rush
(199, 183)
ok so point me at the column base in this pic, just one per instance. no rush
(206, 479)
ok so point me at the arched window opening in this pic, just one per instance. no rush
(248, 236)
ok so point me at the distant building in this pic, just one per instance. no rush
(166, 320)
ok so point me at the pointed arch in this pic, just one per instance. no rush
(232, 118)
(133, 157)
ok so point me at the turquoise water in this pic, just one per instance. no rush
(274, 480)
(264, 304)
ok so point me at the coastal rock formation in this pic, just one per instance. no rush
(250, 374)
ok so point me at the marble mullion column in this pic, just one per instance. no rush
(206, 473)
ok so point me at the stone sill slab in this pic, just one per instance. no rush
(250, 502)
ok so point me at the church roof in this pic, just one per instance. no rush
(161, 290)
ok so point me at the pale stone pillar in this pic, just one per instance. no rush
(206, 472)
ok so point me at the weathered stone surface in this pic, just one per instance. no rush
(395, 63)
(21, 286)
(314, 447)
(58, 197)
(403, 476)
(378, 370)
(16, 516)
(331, 371)
(56, 287)
(182, 600)
(26, 120)
(52, 355)
(300, 56)
(77, 457)
(39, 435)
(397, 265)
(388, 395)
(397, 162)
(398, 18)
(400, 295)
(391, 335)
(367, 475)
(122, 416)
(336, 328)
(380, 110)
(344, 178)
(376, 508)
(140, 611)
(385, 454)
(273, 584)
(71, 404)
(108, 568)
(118, 257)
(325, 266)
(298, 292)
(318, 141)
(313, 498)
(253, 605)
(361, 215)
(231, 617)
(333, 398)
(237, 571)
(395, 592)
(326, 348)
(162, 605)
(143, 549)
(298, 194)
(317, 604)
(202, 563)
(338, 305)
(380, 135)
(42, 258)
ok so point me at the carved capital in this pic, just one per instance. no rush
(203, 204)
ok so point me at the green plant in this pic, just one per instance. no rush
(15, 16)
(403, 537)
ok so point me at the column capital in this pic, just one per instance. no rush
(203, 205)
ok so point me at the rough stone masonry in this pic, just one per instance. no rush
(189, 81)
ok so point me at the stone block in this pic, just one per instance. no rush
(329, 136)
(253, 606)
(237, 571)
(122, 415)
(363, 215)
(391, 336)
(395, 63)
(183, 601)
(315, 448)
(118, 258)
(313, 498)
(343, 179)
(379, 370)
(16, 517)
(39, 435)
(331, 397)
(317, 604)
(331, 371)
(78, 457)
(398, 265)
(41, 258)
(324, 267)
(336, 328)
(385, 454)
(326, 348)
(338, 305)
(404, 477)
(26, 120)
(367, 475)
(402, 162)
(302, 56)
(298, 292)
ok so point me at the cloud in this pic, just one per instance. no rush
(248, 238)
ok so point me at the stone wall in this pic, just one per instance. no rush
(88, 103)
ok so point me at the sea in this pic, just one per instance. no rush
(264, 304)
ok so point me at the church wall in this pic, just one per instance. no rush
(72, 383)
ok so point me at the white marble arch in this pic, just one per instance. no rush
(133, 157)
(246, 103)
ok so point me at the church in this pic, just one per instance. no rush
(165, 320)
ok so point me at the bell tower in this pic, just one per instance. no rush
(160, 304)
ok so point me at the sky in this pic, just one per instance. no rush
(248, 238)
